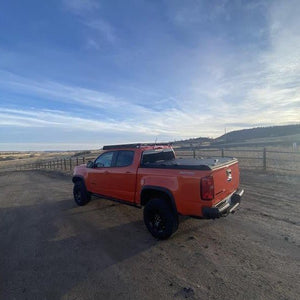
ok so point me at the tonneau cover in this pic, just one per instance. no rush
(192, 163)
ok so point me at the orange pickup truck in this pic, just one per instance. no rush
(150, 176)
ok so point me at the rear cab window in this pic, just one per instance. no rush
(124, 158)
(157, 156)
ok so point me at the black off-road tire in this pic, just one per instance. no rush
(159, 218)
(81, 195)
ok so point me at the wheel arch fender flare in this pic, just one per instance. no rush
(78, 178)
(148, 191)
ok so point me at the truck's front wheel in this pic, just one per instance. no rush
(81, 195)
(159, 219)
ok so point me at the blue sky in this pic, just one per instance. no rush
(78, 74)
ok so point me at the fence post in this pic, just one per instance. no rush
(61, 165)
(65, 164)
(222, 152)
(83, 159)
(77, 161)
(265, 159)
(70, 164)
(194, 153)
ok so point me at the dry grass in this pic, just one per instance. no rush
(14, 160)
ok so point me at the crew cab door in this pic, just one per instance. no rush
(99, 176)
(122, 176)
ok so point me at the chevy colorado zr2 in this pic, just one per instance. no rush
(150, 176)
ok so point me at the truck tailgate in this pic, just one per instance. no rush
(226, 181)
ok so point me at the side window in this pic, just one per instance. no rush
(104, 160)
(125, 158)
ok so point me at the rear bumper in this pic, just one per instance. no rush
(229, 205)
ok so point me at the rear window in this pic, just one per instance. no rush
(125, 158)
(156, 156)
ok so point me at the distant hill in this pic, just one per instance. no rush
(258, 132)
(194, 142)
(259, 136)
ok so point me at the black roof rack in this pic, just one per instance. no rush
(138, 145)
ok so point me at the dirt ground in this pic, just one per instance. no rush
(52, 249)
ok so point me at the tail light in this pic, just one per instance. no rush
(207, 188)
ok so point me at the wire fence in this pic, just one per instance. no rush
(260, 159)
(263, 159)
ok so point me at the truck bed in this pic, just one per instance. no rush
(211, 163)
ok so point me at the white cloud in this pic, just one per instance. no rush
(103, 27)
(92, 44)
(184, 13)
(54, 90)
(254, 88)
(278, 89)
(230, 89)
(80, 7)
(86, 10)
(205, 112)
(48, 146)
(59, 119)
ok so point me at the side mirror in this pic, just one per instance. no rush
(90, 164)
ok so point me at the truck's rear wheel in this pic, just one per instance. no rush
(160, 219)
(81, 195)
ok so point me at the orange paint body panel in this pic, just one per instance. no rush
(127, 182)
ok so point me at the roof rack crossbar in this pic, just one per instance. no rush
(138, 145)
